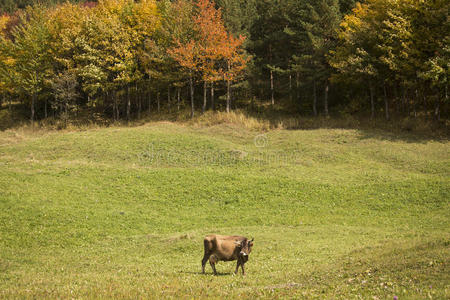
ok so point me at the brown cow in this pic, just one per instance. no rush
(226, 248)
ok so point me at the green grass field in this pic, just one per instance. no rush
(122, 212)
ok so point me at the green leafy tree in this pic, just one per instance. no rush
(30, 51)
(431, 50)
(356, 57)
(65, 91)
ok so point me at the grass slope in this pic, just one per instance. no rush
(121, 212)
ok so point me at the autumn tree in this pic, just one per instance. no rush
(394, 52)
(235, 60)
(139, 20)
(103, 59)
(196, 54)
(158, 65)
(4, 59)
(217, 52)
(394, 43)
(65, 24)
(188, 56)
(212, 34)
(431, 50)
(355, 58)
(64, 87)
(29, 51)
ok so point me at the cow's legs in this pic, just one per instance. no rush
(237, 267)
(242, 267)
(213, 266)
(212, 261)
(204, 260)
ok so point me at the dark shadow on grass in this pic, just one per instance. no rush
(396, 136)
(207, 273)
(400, 128)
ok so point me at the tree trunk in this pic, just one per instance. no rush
(9, 103)
(117, 108)
(45, 109)
(128, 103)
(191, 85)
(139, 99)
(168, 97)
(414, 100)
(33, 101)
(115, 116)
(105, 101)
(325, 100)
(228, 96)
(408, 106)
(386, 102)
(158, 103)
(228, 90)
(425, 106)
(372, 102)
(314, 99)
(178, 98)
(297, 91)
(395, 105)
(290, 88)
(445, 98)
(66, 117)
(272, 98)
(213, 104)
(437, 112)
(204, 96)
(404, 100)
(149, 99)
(113, 106)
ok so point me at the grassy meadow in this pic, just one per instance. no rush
(122, 211)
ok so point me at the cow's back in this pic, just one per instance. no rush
(223, 246)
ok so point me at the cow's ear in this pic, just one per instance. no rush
(238, 243)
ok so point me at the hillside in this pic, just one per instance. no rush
(122, 211)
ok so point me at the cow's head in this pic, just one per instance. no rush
(245, 247)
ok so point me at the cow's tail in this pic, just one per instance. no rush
(208, 243)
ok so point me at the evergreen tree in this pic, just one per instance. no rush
(270, 43)
(322, 20)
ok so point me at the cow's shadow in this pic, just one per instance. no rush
(208, 273)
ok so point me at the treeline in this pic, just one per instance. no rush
(11, 6)
(124, 57)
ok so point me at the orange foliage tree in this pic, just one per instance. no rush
(187, 55)
(235, 60)
(222, 54)
(212, 35)
(212, 53)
